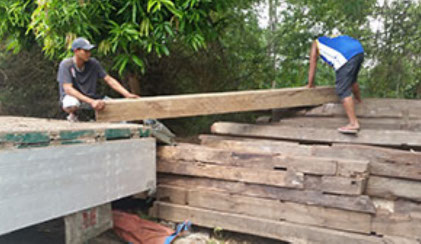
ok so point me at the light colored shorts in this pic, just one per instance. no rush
(70, 101)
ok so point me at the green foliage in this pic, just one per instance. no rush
(392, 52)
(128, 30)
(396, 51)
(193, 46)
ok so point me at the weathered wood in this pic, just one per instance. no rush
(385, 138)
(397, 217)
(267, 177)
(335, 184)
(255, 145)
(405, 225)
(343, 151)
(383, 161)
(396, 170)
(190, 152)
(14, 124)
(400, 240)
(370, 153)
(343, 185)
(40, 184)
(366, 123)
(269, 209)
(353, 203)
(213, 103)
(353, 168)
(172, 194)
(374, 108)
(280, 230)
(393, 188)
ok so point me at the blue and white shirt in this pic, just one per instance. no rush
(336, 51)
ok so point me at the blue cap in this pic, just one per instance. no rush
(82, 43)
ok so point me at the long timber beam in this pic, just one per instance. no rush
(213, 103)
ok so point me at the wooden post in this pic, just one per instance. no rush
(87, 224)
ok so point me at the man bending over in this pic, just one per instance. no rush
(345, 54)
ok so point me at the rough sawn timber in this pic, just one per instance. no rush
(280, 230)
(288, 179)
(267, 208)
(374, 108)
(359, 203)
(213, 103)
(373, 137)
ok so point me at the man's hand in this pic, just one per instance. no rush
(131, 95)
(98, 105)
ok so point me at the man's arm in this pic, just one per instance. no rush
(314, 54)
(70, 90)
(113, 83)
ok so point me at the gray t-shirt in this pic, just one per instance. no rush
(83, 80)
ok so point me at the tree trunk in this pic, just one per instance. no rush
(134, 83)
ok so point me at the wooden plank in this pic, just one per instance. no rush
(383, 161)
(385, 138)
(371, 153)
(14, 124)
(353, 203)
(255, 145)
(66, 179)
(335, 184)
(400, 240)
(366, 123)
(190, 152)
(280, 230)
(353, 168)
(213, 103)
(345, 151)
(404, 225)
(396, 170)
(172, 194)
(374, 108)
(267, 177)
(343, 185)
(393, 188)
(271, 209)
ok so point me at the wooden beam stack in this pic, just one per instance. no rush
(301, 193)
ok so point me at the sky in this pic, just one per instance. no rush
(376, 24)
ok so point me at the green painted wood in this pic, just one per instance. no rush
(144, 132)
(112, 134)
(25, 140)
(72, 135)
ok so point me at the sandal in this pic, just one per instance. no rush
(348, 130)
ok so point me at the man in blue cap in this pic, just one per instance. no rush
(345, 54)
(77, 77)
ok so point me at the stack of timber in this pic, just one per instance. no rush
(299, 180)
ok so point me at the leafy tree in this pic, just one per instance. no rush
(396, 50)
(127, 30)
(301, 21)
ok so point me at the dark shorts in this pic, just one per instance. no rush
(347, 75)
